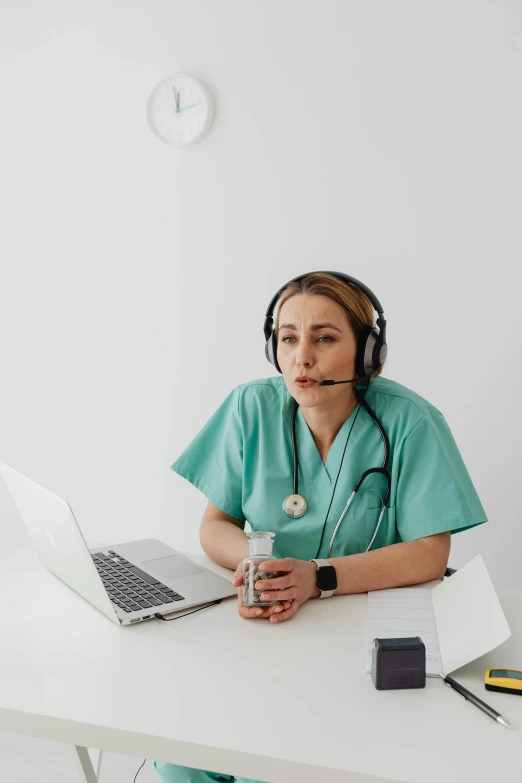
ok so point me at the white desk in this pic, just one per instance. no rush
(184, 691)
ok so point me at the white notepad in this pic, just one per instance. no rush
(458, 619)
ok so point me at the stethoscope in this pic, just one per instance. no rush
(295, 505)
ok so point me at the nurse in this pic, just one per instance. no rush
(285, 453)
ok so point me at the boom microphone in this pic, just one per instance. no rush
(353, 380)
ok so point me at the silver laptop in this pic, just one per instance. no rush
(128, 582)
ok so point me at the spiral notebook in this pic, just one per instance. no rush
(458, 619)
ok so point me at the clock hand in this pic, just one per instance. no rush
(191, 105)
(176, 98)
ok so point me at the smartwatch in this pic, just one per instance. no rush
(326, 577)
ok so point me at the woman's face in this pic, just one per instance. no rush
(315, 340)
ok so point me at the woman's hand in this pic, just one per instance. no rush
(255, 612)
(298, 584)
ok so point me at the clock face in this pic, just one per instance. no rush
(179, 110)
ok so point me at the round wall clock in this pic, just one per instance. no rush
(180, 110)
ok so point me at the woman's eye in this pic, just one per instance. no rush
(325, 337)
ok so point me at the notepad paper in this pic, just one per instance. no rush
(458, 619)
(400, 612)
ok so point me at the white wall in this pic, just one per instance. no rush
(380, 138)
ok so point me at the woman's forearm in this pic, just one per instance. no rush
(224, 542)
(397, 565)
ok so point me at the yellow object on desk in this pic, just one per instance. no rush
(504, 680)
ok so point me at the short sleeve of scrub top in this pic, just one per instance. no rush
(242, 461)
(213, 461)
(434, 489)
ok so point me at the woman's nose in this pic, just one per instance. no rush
(304, 356)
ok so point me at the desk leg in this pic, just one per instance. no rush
(98, 769)
(86, 773)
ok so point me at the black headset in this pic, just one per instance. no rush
(371, 344)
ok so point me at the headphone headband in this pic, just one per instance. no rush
(340, 276)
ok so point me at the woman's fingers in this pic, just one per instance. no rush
(281, 583)
(256, 612)
(253, 612)
(279, 608)
(279, 595)
(286, 614)
(259, 612)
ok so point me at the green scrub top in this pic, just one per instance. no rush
(242, 462)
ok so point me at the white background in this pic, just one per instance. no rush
(381, 139)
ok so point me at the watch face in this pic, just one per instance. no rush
(326, 578)
(179, 110)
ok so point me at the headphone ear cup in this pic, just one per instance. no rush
(274, 352)
(369, 348)
(268, 350)
(271, 351)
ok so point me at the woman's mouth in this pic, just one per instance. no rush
(305, 383)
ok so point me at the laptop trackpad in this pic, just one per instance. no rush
(172, 567)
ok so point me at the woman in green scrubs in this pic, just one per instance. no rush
(242, 461)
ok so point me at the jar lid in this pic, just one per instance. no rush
(261, 542)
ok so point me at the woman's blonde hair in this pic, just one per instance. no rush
(359, 310)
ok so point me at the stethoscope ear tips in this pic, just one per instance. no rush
(295, 505)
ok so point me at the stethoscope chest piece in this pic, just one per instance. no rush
(295, 505)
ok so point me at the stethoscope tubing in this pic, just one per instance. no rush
(364, 475)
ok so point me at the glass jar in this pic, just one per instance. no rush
(260, 550)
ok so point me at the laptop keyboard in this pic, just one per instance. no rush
(128, 586)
